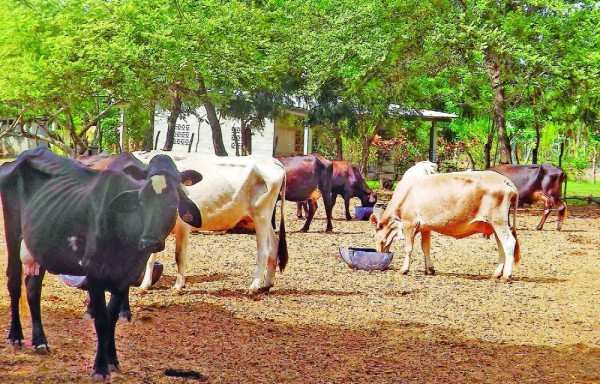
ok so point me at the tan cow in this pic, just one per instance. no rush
(456, 204)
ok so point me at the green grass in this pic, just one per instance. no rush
(574, 188)
(582, 188)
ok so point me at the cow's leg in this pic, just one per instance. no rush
(312, 208)
(300, 206)
(547, 207)
(328, 203)
(182, 234)
(147, 281)
(409, 234)
(34, 297)
(266, 244)
(14, 275)
(501, 258)
(14, 269)
(100, 372)
(347, 205)
(117, 300)
(125, 309)
(562, 213)
(266, 240)
(426, 246)
(508, 242)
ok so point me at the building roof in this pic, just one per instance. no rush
(424, 114)
(300, 104)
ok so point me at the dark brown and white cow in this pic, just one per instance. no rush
(67, 219)
(233, 189)
(540, 182)
(306, 174)
(456, 204)
(346, 181)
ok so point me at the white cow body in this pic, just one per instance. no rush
(234, 189)
(422, 168)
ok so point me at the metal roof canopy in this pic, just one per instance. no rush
(394, 110)
(424, 114)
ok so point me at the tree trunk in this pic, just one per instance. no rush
(175, 110)
(536, 126)
(487, 148)
(493, 68)
(367, 141)
(149, 140)
(213, 119)
(562, 151)
(246, 139)
(339, 155)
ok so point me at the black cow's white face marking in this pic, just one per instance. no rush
(72, 243)
(159, 183)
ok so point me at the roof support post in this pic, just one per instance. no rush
(307, 140)
(433, 142)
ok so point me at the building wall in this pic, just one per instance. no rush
(278, 131)
(14, 145)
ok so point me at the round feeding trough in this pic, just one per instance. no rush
(366, 259)
(81, 281)
(363, 213)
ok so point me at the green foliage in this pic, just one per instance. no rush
(59, 55)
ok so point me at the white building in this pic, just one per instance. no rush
(282, 136)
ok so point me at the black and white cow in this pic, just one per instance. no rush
(68, 219)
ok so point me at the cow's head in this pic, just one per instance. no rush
(160, 199)
(385, 232)
(369, 199)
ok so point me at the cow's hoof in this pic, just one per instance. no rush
(538, 228)
(142, 291)
(114, 367)
(303, 230)
(100, 378)
(505, 280)
(88, 316)
(405, 272)
(430, 272)
(17, 345)
(265, 289)
(42, 349)
(125, 317)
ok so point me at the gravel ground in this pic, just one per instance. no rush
(325, 323)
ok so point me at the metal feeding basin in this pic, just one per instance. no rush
(363, 213)
(366, 259)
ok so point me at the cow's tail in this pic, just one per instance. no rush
(282, 250)
(514, 230)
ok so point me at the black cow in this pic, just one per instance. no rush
(68, 219)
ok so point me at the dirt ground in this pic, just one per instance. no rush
(326, 323)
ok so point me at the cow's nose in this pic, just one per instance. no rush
(151, 245)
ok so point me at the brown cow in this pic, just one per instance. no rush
(539, 182)
(456, 204)
(305, 174)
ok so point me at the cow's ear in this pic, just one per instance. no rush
(373, 219)
(188, 211)
(190, 177)
(390, 237)
(125, 201)
(135, 172)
